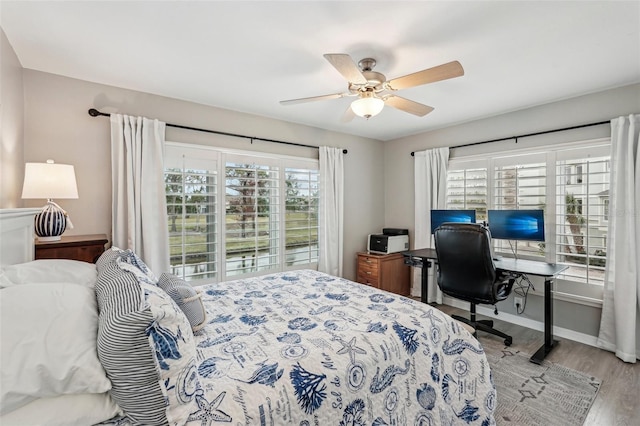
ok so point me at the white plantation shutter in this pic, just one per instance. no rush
(582, 203)
(191, 193)
(301, 215)
(467, 189)
(252, 215)
(520, 186)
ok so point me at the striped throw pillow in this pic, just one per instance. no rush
(186, 297)
(146, 346)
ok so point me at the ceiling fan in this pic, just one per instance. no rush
(374, 91)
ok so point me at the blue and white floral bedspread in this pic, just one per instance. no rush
(306, 348)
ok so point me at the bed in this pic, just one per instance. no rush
(298, 347)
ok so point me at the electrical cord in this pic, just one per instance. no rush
(515, 256)
(522, 290)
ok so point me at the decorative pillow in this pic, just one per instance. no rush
(145, 344)
(186, 297)
(107, 257)
(64, 410)
(48, 343)
(129, 261)
(49, 271)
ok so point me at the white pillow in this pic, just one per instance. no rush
(48, 343)
(64, 410)
(49, 271)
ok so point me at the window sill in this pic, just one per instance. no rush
(572, 298)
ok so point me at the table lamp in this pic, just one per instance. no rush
(49, 180)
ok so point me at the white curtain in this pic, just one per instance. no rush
(139, 206)
(619, 321)
(331, 215)
(430, 193)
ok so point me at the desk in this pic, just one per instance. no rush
(422, 258)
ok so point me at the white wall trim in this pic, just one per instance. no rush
(565, 333)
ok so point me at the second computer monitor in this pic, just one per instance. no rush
(525, 225)
(438, 217)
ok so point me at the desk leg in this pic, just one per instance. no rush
(424, 275)
(549, 342)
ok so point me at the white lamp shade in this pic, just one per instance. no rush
(367, 107)
(49, 180)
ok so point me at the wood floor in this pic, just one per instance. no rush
(618, 401)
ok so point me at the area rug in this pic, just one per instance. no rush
(547, 394)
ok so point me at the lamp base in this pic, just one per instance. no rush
(47, 239)
(50, 223)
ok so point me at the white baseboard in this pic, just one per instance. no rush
(565, 333)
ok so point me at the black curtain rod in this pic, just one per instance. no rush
(95, 113)
(544, 132)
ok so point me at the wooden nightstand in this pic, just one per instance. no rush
(86, 248)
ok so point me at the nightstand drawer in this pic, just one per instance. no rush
(85, 248)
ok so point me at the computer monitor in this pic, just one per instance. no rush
(524, 225)
(438, 217)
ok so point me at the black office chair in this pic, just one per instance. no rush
(466, 271)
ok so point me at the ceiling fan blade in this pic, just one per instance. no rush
(312, 99)
(345, 66)
(408, 106)
(430, 75)
(348, 115)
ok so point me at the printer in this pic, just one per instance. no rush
(391, 240)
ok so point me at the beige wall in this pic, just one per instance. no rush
(11, 126)
(57, 126)
(596, 107)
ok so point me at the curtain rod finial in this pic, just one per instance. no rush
(94, 112)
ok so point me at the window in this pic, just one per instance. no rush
(268, 207)
(570, 182)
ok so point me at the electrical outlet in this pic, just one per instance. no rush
(517, 302)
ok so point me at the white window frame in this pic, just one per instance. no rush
(587, 294)
(220, 156)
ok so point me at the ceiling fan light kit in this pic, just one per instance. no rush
(367, 106)
(374, 90)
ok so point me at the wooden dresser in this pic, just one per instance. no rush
(86, 248)
(384, 271)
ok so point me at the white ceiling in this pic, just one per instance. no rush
(247, 56)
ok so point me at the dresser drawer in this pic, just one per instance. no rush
(368, 269)
(368, 263)
(368, 279)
